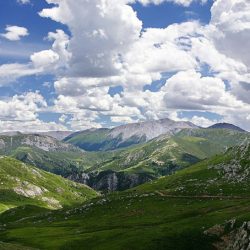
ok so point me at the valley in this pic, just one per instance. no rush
(185, 190)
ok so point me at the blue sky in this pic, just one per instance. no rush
(76, 101)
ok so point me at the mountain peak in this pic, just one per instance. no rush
(226, 126)
(150, 129)
(126, 135)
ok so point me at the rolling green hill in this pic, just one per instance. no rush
(22, 184)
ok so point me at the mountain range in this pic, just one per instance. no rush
(125, 135)
(172, 146)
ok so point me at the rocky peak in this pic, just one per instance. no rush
(150, 129)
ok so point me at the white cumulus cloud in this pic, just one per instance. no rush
(15, 33)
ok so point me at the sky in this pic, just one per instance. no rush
(78, 64)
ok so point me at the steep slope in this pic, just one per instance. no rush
(61, 163)
(203, 207)
(22, 184)
(161, 156)
(225, 175)
(125, 135)
(226, 126)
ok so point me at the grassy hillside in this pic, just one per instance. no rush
(62, 163)
(165, 154)
(129, 222)
(22, 184)
(100, 140)
(203, 207)
(226, 174)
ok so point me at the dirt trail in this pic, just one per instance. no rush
(161, 193)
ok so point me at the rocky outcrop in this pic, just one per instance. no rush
(110, 181)
(230, 236)
(2, 144)
(236, 170)
(240, 238)
(8, 144)
(46, 143)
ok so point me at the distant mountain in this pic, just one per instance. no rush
(125, 135)
(22, 184)
(227, 126)
(10, 133)
(150, 129)
(59, 135)
(9, 143)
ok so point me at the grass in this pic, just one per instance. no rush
(51, 190)
(5, 246)
(206, 178)
(129, 222)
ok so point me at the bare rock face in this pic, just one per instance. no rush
(230, 236)
(241, 238)
(109, 181)
(29, 190)
(2, 144)
(45, 143)
(236, 170)
(150, 129)
(42, 142)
